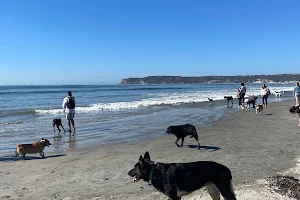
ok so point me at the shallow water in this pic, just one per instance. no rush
(112, 114)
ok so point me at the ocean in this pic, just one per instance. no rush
(113, 113)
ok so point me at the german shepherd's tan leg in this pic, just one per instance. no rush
(213, 191)
(226, 190)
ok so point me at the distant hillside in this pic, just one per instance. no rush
(279, 78)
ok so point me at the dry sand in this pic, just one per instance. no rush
(254, 147)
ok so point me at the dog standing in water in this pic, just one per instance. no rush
(278, 94)
(57, 122)
(176, 180)
(250, 101)
(229, 98)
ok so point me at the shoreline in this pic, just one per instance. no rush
(254, 147)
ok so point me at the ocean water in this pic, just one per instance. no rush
(112, 113)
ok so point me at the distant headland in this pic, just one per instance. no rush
(277, 78)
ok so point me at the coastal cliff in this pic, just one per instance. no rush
(278, 78)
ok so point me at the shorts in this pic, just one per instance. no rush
(70, 115)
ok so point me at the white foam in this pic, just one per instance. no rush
(163, 99)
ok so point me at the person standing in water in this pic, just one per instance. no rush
(68, 106)
(242, 94)
(265, 92)
(296, 93)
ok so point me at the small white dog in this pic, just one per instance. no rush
(278, 94)
(259, 108)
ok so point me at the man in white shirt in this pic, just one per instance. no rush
(68, 106)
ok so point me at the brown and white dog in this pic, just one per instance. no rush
(259, 108)
(36, 147)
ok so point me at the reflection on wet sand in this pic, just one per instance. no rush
(72, 140)
(57, 142)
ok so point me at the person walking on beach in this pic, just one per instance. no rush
(296, 93)
(265, 92)
(242, 94)
(68, 106)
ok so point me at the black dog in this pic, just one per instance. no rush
(251, 100)
(57, 122)
(294, 109)
(229, 98)
(182, 131)
(178, 179)
(210, 100)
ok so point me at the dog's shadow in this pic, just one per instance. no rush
(211, 148)
(20, 158)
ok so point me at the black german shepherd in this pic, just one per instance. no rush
(179, 179)
(182, 131)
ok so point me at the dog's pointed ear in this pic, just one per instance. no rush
(43, 139)
(141, 161)
(147, 156)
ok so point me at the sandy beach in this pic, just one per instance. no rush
(254, 147)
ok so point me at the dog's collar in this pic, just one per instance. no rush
(151, 174)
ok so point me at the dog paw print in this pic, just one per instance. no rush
(6, 197)
(6, 188)
(24, 188)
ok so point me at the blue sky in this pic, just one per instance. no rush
(101, 42)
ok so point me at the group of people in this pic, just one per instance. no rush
(265, 92)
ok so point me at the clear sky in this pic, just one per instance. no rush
(101, 42)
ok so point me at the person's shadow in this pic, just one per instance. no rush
(211, 148)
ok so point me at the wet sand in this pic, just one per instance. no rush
(254, 147)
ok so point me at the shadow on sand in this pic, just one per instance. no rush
(212, 148)
(20, 158)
